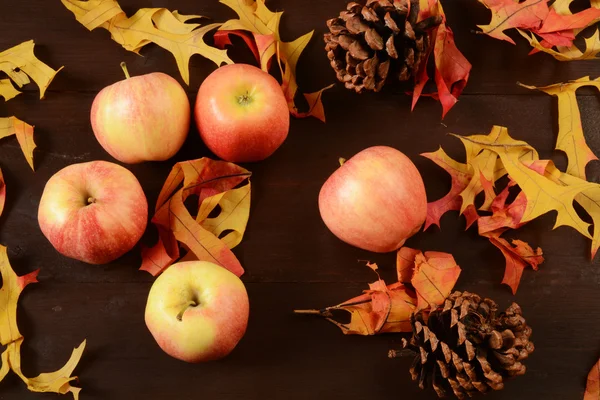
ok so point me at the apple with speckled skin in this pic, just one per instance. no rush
(241, 113)
(141, 118)
(197, 311)
(93, 212)
(375, 200)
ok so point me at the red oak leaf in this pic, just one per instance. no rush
(556, 22)
(506, 14)
(592, 390)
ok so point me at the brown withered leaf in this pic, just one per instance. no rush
(387, 308)
(168, 29)
(208, 239)
(263, 25)
(12, 286)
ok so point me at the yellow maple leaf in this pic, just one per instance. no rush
(167, 29)
(24, 133)
(570, 131)
(12, 286)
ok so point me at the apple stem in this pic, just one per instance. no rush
(125, 71)
(341, 160)
(189, 304)
(91, 200)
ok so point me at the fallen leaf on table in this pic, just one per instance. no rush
(12, 286)
(167, 29)
(387, 308)
(554, 24)
(21, 65)
(207, 237)
(24, 133)
(592, 390)
(2, 192)
(451, 67)
(570, 131)
(263, 25)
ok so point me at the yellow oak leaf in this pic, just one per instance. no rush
(12, 286)
(21, 64)
(255, 17)
(165, 28)
(2, 192)
(233, 215)
(571, 139)
(24, 133)
(572, 53)
(543, 194)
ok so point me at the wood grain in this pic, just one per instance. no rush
(291, 259)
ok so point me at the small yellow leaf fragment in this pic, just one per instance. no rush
(12, 286)
(20, 64)
(23, 131)
(7, 90)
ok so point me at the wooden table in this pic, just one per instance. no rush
(291, 259)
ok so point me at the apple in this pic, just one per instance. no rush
(197, 311)
(93, 212)
(241, 113)
(375, 200)
(141, 118)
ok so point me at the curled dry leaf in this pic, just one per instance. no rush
(548, 28)
(451, 67)
(12, 286)
(206, 237)
(259, 27)
(429, 278)
(168, 29)
(592, 390)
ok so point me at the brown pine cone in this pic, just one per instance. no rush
(466, 347)
(380, 40)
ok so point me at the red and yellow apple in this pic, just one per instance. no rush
(93, 212)
(141, 118)
(375, 200)
(197, 311)
(241, 113)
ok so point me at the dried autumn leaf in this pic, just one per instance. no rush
(507, 14)
(215, 182)
(2, 192)
(570, 131)
(21, 64)
(167, 29)
(12, 286)
(592, 389)
(24, 133)
(387, 308)
(263, 24)
(452, 69)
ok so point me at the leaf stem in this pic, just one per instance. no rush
(125, 71)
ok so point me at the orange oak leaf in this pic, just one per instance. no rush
(592, 389)
(388, 308)
(265, 42)
(507, 14)
(452, 69)
(461, 175)
(222, 39)
(434, 277)
(556, 22)
(209, 239)
(517, 257)
(2, 192)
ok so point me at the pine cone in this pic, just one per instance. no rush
(367, 44)
(467, 348)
